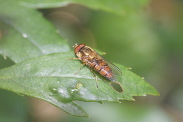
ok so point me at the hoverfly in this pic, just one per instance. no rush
(95, 61)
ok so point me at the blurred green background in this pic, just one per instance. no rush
(149, 41)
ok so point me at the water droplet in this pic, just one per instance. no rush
(24, 35)
(61, 94)
(64, 93)
(54, 90)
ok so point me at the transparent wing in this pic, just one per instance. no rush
(117, 73)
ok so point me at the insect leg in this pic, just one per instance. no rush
(80, 68)
(72, 58)
(94, 76)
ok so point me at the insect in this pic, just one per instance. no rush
(95, 61)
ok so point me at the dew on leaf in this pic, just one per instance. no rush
(24, 35)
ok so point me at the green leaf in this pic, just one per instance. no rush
(115, 6)
(52, 78)
(25, 33)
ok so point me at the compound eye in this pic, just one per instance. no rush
(78, 48)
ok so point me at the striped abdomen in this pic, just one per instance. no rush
(101, 67)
